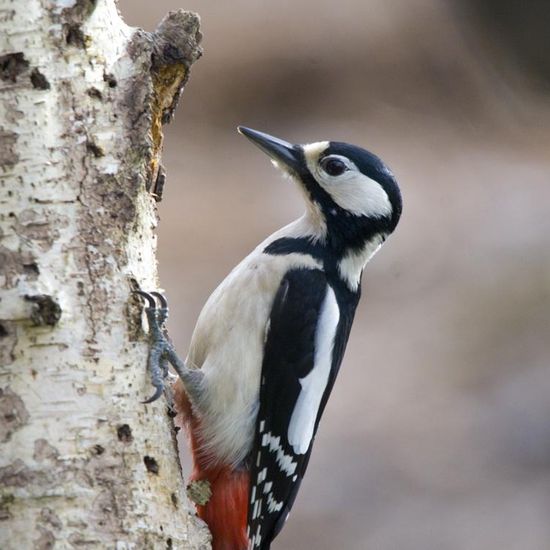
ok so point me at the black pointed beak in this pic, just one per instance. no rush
(282, 152)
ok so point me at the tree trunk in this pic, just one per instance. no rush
(83, 462)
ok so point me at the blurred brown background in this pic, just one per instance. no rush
(437, 436)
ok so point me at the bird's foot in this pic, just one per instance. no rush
(157, 364)
(162, 352)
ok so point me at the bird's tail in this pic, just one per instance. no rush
(226, 512)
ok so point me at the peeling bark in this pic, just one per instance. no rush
(84, 98)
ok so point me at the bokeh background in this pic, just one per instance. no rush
(437, 436)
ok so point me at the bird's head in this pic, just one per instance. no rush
(351, 191)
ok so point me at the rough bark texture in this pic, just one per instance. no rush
(83, 98)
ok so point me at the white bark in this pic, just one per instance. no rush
(83, 98)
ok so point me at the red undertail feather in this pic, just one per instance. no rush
(227, 510)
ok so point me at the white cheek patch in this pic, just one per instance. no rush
(358, 194)
(353, 191)
(304, 415)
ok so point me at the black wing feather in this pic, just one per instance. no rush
(277, 470)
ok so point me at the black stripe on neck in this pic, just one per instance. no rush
(300, 245)
(320, 252)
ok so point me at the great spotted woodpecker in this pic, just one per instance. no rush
(269, 341)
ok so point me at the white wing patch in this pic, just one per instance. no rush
(302, 422)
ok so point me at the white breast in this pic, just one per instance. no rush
(302, 422)
(227, 345)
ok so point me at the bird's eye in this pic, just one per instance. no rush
(333, 166)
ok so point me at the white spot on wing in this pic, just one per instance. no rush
(273, 505)
(302, 422)
(258, 536)
(257, 508)
(284, 461)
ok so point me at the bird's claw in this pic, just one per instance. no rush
(158, 392)
(149, 297)
(157, 362)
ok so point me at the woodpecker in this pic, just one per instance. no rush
(269, 341)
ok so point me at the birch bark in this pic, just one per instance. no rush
(83, 98)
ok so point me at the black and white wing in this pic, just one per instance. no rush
(298, 371)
